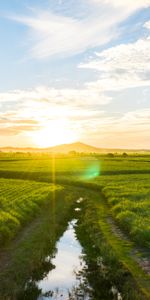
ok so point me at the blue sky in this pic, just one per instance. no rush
(81, 67)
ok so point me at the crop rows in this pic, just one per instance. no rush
(104, 164)
(128, 197)
(125, 181)
(19, 201)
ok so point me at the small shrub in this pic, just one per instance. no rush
(126, 219)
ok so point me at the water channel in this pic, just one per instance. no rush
(65, 281)
(67, 277)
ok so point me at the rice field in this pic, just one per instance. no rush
(128, 197)
(46, 187)
(125, 182)
(20, 201)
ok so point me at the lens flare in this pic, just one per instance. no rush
(92, 170)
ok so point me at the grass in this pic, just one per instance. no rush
(72, 165)
(27, 262)
(128, 197)
(123, 181)
(99, 242)
(20, 201)
(24, 257)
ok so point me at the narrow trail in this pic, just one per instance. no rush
(141, 256)
(7, 251)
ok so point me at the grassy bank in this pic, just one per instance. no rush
(20, 201)
(24, 258)
(108, 258)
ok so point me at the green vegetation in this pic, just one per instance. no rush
(38, 242)
(118, 197)
(25, 256)
(20, 201)
(107, 254)
(129, 197)
(124, 181)
(132, 164)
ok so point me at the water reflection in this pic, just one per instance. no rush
(66, 273)
(66, 281)
(77, 209)
(80, 200)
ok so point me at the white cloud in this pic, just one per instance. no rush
(122, 66)
(147, 25)
(127, 4)
(36, 114)
(65, 36)
(134, 121)
(67, 96)
(52, 34)
(130, 130)
(35, 108)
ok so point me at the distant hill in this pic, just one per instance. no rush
(66, 148)
(78, 147)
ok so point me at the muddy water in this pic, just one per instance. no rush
(66, 280)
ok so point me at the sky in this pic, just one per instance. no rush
(75, 70)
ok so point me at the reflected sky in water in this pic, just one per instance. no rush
(67, 261)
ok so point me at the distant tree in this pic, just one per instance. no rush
(110, 154)
(124, 154)
(73, 152)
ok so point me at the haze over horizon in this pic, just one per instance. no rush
(75, 70)
(75, 146)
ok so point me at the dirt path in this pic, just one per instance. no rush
(6, 252)
(141, 256)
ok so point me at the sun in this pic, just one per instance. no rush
(54, 133)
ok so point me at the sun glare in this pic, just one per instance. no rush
(53, 133)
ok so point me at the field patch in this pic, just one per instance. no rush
(20, 201)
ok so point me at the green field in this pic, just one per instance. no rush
(124, 181)
(122, 213)
(20, 201)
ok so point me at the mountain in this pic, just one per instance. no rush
(66, 148)
(78, 147)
